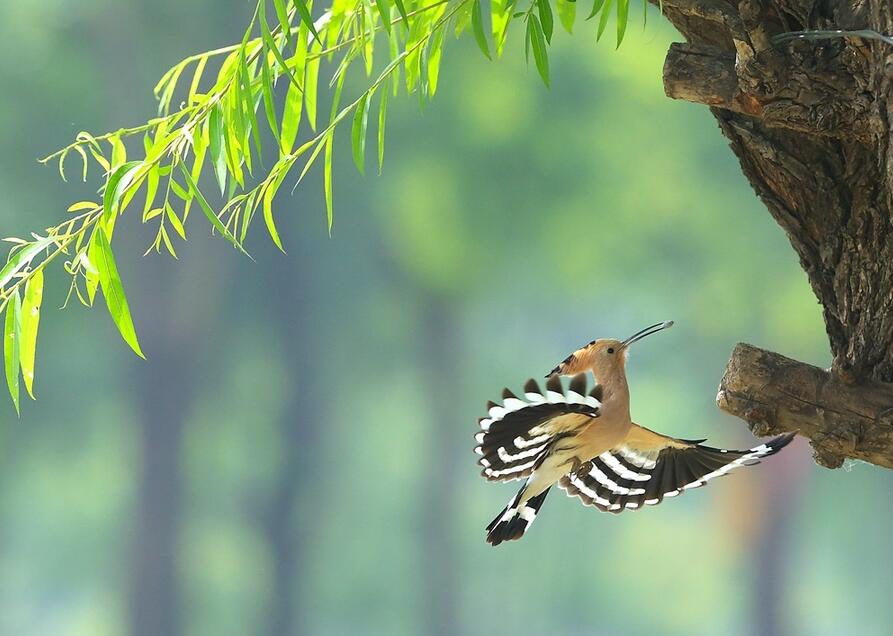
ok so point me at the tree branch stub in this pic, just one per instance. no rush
(775, 394)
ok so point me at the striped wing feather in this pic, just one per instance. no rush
(516, 436)
(629, 477)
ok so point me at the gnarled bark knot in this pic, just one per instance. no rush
(819, 88)
(775, 394)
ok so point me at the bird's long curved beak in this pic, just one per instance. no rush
(647, 331)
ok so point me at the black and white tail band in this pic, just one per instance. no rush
(513, 521)
(516, 436)
(626, 478)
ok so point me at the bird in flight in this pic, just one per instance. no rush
(587, 443)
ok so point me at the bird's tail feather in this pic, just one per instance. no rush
(513, 521)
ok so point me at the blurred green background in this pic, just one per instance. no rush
(295, 456)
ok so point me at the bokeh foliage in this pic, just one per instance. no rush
(555, 216)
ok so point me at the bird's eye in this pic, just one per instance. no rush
(610, 349)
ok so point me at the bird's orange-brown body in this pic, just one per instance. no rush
(589, 445)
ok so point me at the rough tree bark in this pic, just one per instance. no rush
(810, 124)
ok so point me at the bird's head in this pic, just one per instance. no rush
(604, 356)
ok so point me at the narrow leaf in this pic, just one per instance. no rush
(30, 321)
(197, 79)
(546, 18)
(218, 146)
(596, 7)
(567, 13)
(12, 333)
(385, 13)
(175, 221)
(282, 14)
(113, 291)
(538, 44)
(603, 19)
(269, 220)
(291, 118)
(115, 187)
(477, 25)
(500, 18)
(22, 258)
(358, 133)
(402, 10)
(269, 100)
(382, 120)
(327, 182)
(622, 19)
(304, 12)
(435, 52)
(310, 84)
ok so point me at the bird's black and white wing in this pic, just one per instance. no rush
(649, 467)
(515, 437)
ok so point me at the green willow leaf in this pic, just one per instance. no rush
(382, 120)
(596, 7)
(358, 133)
(22, 258)
(603, 19)
(328, 141)
(477, 25)
(327, 183)
(113, 290)
(30, 322)
(385, 12)
(175, 221)
(435, 53)
(310, 84)
(538, 44)
(152, 181)
(269, 99)
(216, 140)
(269, 220)
(273, 48)
(401, 8)
(546, 18)
(197, 78)
(304, 12)
(91, 273)
(291, 118)
(12, 333)
(500, 18)
(567, 13)
(117, 183)
(282, 14)
(622, 19)
(245, 104)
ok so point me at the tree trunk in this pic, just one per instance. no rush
(174, 326)
(809, 122)
(163, 391)
(300, 429)
(439, 361)
(155, 583)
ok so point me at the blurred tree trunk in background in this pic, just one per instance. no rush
(155, 589)
(164, 394)
(810, 124)
(176, 328)
(286, 524)
(441, 383)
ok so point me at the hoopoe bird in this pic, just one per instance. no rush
(588, 444)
